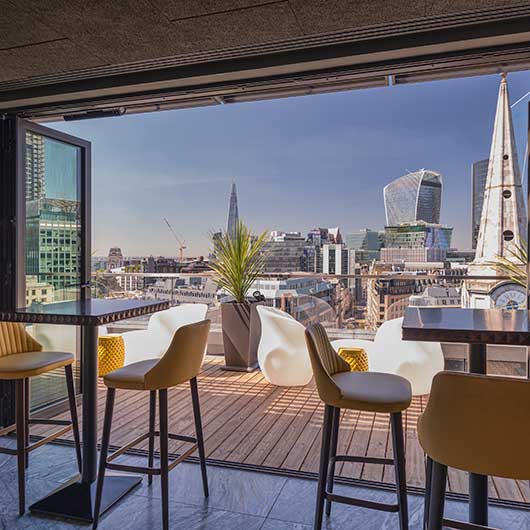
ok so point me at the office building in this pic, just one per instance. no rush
(34, 157)
(479, 172)
(284, 252)
(414, 197)
(364, 245)
(418, 242)
(53, 246)
(334, 259)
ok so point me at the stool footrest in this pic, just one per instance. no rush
(362, 503)
(49, 438)
(361, 459)
(150, 470)
(66, 424)
(464, 525)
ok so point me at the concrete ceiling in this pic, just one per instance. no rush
(40, 41)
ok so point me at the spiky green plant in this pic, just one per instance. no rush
(239, 260)
(514, 266)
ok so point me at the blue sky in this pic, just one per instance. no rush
(299, 163)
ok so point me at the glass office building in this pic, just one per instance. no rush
(479, 173)
(414, 197)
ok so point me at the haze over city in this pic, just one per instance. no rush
(320, 160)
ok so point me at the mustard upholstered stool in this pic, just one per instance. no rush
(340, 388)
(356, 358)
(180, 364)
(474, 423)
(21, 357)
(111, 354)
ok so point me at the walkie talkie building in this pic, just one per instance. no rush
(416, 196)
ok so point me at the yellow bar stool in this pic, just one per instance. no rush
(21, 357)
(181, 363)
(475, 423)
(339, 388)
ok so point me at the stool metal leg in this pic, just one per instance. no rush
(428, 485)
(73, 412)
(333, 454)
(162, 396)
(324, 464)
(152, 414)
(396, 420)
(198, 429)
(26, 413)
(437, 496)
(21, 442)
(105, 441)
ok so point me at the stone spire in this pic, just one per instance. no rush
(503, 220)
(233, 214)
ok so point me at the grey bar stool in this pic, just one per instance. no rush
(339, 388)
(181, 363)
(475, 423)
(21, 357)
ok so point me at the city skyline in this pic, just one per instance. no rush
(332, 171)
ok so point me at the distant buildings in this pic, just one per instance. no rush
(388, 298)
(416, 196)
(416, 242)
(479, 172)
(364, 245)
(115, 258)
(306, 299)
(284, 252)
(313, 259)
(436, 296)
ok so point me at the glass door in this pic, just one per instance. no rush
(54, 238)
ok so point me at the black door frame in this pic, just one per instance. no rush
(13, 224)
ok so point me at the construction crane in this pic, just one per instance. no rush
(182, 244)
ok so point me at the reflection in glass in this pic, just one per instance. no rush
(53, 220)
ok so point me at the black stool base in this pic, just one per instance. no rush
(75, 500)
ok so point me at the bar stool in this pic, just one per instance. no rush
(21, 357)
(181, 362)
(475, 423)
(340, 389)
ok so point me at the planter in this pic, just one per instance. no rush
(241, 333)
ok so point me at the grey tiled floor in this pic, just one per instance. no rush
(238, 500)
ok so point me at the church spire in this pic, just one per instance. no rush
(503, 220)
(233, 214)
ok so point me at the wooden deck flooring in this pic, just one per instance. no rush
(248, 420)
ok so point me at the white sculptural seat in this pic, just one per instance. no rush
(282, 351)
(152, 343)
(416, 361)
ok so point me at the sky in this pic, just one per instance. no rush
(302, 162)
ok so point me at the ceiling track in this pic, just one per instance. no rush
(433, 23)
(487, 61)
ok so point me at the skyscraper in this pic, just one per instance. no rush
(503, 219)
(233, 214)
(34, 167)
(479, 172)
(416, 196)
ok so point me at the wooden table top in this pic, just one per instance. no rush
(484, 326)
(91, 312)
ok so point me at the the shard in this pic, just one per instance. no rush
(233, 214)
